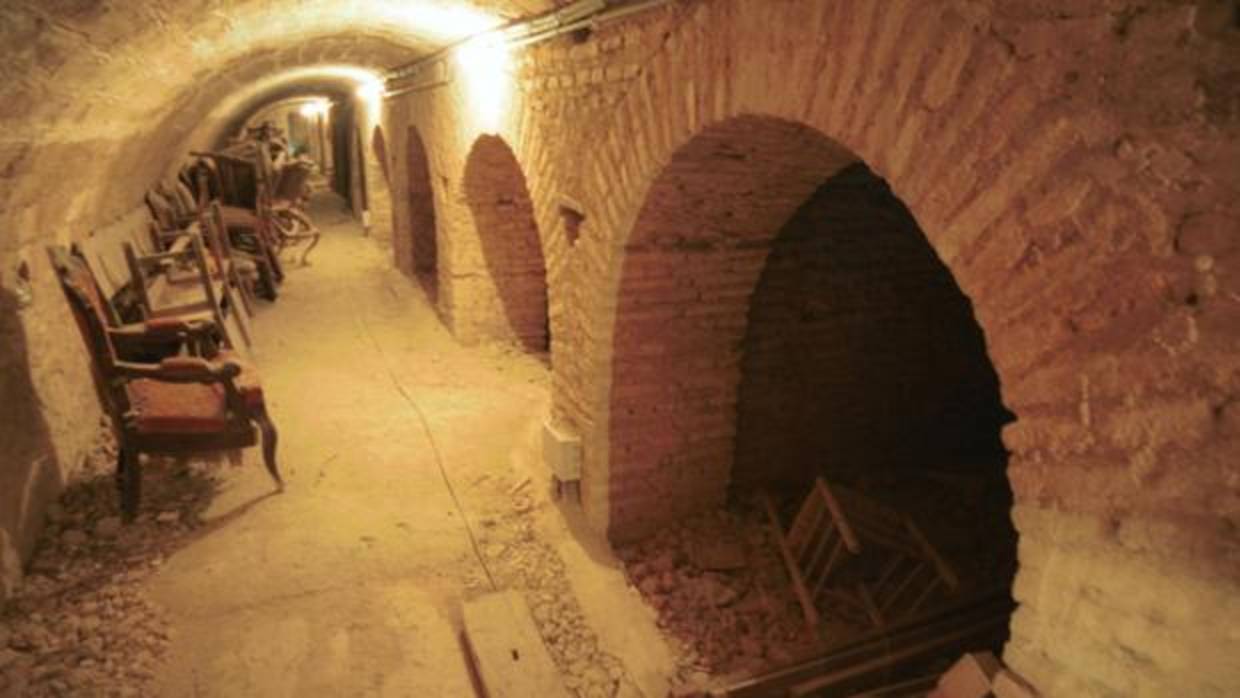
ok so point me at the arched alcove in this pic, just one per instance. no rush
(378, 144)
(423, 258)
(861, 354)
(690, 267)
(512, 303)
(782, 317)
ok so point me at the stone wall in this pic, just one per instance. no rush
(1070, 164)
(100, 100)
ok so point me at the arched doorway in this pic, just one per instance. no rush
(513, 305)
(423, 258)
(782, 317)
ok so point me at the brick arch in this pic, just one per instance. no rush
(905, 114)
(511, 303)
(689, 266)
(1071, 258)
(423, 248)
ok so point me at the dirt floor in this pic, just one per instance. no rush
(413, 482)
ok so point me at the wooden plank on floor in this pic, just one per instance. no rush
(507, 650)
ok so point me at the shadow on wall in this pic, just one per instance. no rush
(424, 251)
(29, 474)
(861, 352)
(503, 215)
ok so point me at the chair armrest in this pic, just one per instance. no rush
(183, 369)
(162, 329)
(176, 241)
(169, 334)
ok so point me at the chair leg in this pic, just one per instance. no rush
(314, 241)
(270, 439)
(128, 481)
(243, 290)
(232, 308)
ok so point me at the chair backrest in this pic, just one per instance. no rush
(103, 254)
(291, 184)
(162, 209)
(215, 232)
(240, 181)
(184, 197)
(89, 312)
(204, 179)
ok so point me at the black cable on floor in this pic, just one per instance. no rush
(426, 427)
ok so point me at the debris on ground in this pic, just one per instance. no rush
(721, 593)
(81, 624)
(517, 559)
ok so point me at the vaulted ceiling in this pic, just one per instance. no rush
(96, 92)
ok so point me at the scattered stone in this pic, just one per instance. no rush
(80, 624)
(718, 554)
(168, 517)
(714, 592)
(108, 527)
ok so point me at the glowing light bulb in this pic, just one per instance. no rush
(316, 107)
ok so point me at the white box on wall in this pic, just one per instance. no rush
(561, 452)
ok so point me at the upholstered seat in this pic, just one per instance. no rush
(196, 408)
(239, 217)
(177, 408)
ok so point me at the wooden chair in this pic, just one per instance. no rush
(846, 548)
(164, 291)
(291, 222)
(239, 268)
(177, 406)
(233, 182)
(103, 251)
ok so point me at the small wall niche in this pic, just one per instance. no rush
(573, 219)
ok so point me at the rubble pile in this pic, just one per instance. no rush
(721, 591)
(81, 623)
(517, 559)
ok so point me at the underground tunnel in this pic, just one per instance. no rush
(620, 348)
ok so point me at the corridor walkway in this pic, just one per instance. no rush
(349, 582)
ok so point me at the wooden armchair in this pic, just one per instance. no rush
(173, 207)
(292, 224)
(233, 182)
(178, 406)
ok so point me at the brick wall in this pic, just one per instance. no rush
(861, 353)
(1072, 164)
(1069, 166)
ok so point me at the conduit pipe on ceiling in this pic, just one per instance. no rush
(583, 14)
